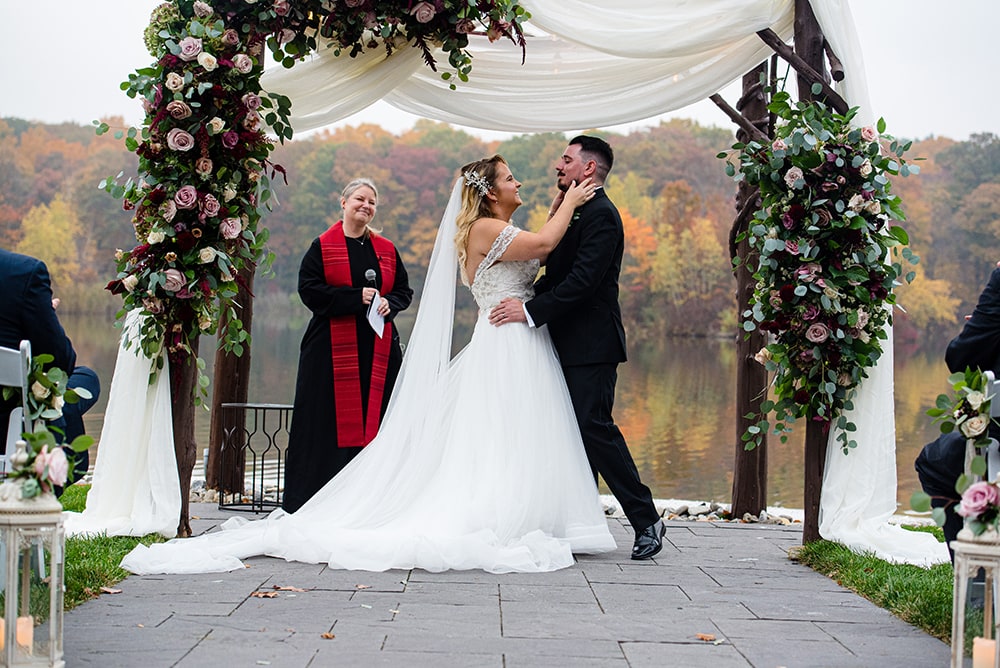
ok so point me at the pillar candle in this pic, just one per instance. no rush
(25, 632)
(983, 650)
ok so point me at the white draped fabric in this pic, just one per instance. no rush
(135, 488)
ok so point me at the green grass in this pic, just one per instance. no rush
(92, 562)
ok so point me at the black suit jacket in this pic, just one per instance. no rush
(978, 344)
(26, 313)
(578, 295)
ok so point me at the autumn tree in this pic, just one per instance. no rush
(50, 234)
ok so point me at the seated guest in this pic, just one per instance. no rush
(27, 311)
(942, 461)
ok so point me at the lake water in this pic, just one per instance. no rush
(675, 405)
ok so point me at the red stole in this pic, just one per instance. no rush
(353, 428)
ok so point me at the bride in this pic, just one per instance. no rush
(479, 462)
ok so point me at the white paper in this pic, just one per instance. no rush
(375, 318)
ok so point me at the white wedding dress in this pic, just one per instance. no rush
(478, 464)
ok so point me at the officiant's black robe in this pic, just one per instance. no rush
(313, 456)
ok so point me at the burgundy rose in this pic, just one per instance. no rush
(787, 292)
(810, 312)
(185, 241)
(281, 7)
(801, 396)
(186, 197)
(230, 139)
(797, 212)
(787, 221)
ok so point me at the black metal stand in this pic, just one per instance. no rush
(252, 469)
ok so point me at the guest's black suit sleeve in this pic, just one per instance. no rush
(978, 345)
(27, 311)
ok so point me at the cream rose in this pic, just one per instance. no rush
(974, 426)
(975, 399)
(155, 237)
(174, 82)
(206, 255)
(39, 391)
(207, 61)
(856, 203)
(216, 125)
(130, 282)
(865, 168)
(202, 9)
(229, 193)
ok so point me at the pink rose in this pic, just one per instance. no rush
(792, 246)
(52, 466)
(203, 166)
(243, 63)
(168, 210)
(868, 133)
(817, 332)
(251, 101)
(202, 9)
(779, 145)
(230, 228)
(792, 176)
(977, 499)
(210, 205)
(153, 305)
(174, 280)
(178, 110)
(252, 121)
(230, 37)
(281, 7)
(190, 48)
(180, 140)
(186, 197)
(465, 26)
(354, 3)
(423, 12)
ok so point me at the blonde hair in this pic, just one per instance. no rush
(475, 205)
(354, 185)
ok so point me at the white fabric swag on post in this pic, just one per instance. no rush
(601, 64)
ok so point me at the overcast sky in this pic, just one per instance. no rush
(931, 68)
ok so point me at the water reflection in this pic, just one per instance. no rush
(675, 405)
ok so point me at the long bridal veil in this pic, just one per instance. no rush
(135, 489)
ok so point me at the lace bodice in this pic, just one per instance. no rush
(495, 280)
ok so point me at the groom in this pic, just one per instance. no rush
(578, 299)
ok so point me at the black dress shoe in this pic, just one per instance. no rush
(649, 541)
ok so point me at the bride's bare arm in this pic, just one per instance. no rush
(538, 245)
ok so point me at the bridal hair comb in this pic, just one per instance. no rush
(477, 181)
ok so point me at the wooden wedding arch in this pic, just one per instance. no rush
(814, 63)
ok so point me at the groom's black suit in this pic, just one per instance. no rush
(578, 299)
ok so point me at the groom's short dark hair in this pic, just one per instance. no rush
(598, 150)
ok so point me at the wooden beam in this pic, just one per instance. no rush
(740, 120)
(836, 67)
(772, 39)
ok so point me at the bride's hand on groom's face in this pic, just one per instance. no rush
(507, 311)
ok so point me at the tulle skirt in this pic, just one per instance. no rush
(485, 471)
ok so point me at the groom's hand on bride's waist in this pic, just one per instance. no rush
(508, 310)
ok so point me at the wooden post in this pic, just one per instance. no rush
(231, 384)
(809, 45)
(183, 381)
(750, 466)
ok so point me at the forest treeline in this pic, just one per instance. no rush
(675, 199)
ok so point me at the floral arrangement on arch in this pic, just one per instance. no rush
(42, 463)
(827, 257)
(361, 24)
(969, 412)
(204, 175)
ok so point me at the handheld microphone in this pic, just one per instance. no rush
(370, 276)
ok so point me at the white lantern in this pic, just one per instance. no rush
(972, 553)
(33, 539)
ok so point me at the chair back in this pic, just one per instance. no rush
(14, 368)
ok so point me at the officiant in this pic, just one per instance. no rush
(354, 282)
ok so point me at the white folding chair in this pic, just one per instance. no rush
(14, 368)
